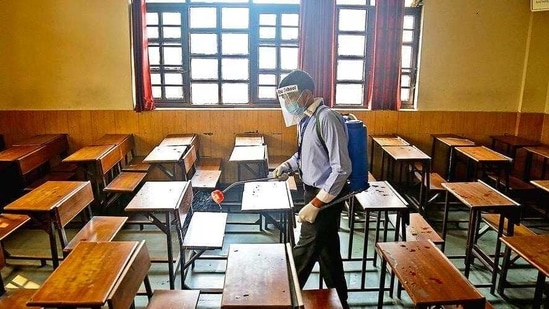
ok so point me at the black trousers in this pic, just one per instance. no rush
(319, 242)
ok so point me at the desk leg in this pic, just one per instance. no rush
(504, 267)
(538, 294)
(170, 250)
(382, 284)
(53, 244)
(471, 236)
(445, 219)
(365, 248)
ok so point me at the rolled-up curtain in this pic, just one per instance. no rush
(142, 71)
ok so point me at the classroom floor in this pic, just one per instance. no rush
(209, 274)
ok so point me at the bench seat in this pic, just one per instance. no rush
(321, 299)
(207, 163)
(136, 165)
(205, 179)
(164, 299)
(419, 229)
(492, 220)
(17, 299)
(53, 176)
(125, 182)
(99, 228)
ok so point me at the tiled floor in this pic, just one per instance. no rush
(209, 274)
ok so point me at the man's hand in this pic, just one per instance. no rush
(308, 213)
(281, 169)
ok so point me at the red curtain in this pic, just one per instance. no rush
(316, 46)
(143, 89)
(384, 85)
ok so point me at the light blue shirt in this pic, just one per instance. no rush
(327, 171)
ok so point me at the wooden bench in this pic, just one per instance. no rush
(419, 229)
(123, 183)
(321, 299)
(99, 228)
(134, 274)
(164, 299)
(17, 299)
(492, 222)
(200, 178)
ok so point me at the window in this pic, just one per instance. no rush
(220, 53)
(234, 52)
(355, 24)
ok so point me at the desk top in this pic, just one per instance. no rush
(405, 153)
(514, 141)
(483, 154)
(10, 223)
(13, 153)
(427, 274)
(112, 139)
(159, 196)
(478, 194)
(89, 153)
(50, 195)
(381, 195)
(39, 140)
(165, 154)
(87, 276)
(249, 140)
(532, 248)
(389, 140)
(272, 195)
(248, 153)
(451, 141)
(265, 285)
(539, 150)
(542, 184)
(178, 140)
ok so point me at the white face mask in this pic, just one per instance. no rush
(288, 98)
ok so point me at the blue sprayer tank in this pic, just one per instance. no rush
(358, 151)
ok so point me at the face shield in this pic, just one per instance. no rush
(288, 98)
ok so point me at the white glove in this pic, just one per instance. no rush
(281, 169)
(308, 213)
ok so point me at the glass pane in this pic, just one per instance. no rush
(349, 94)
(288, 58)
(154, 56)
(267, 79)
(405, 94)
(173, 79)
(267, 19)
(407, 36)
(204, 93)
(172, 32)
(204, 69)
(157, 92)
(234, 93)
(351, 2)
(218, 1)
(405, 80)
(202, 18)
(172, 55)
(267, 58)
(277, 1)
(406, 56)
(352, 20)
(350, 70)
(267, 32)
(152, 32)
(171, 19)
(408, 22)
(155, 79)
(234, 69)
(290, 20)
(234, 44)
(152, 18)
(234, 18)
(350, 45)
(266, 92)
(174, 92)
(289, 33)
(205, 44)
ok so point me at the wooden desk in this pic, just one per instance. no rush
(87, 276)
(428, 276)
(53, 205)
(271, 197)
(265, 285)
(411, 155)
(124, 143)
(252, 159)
(534, 250)
(485, 158)
(480, 197)
(168, 159)
(15, 153)
(8, 224)
(41, 139)
(512, 143)
(542, 184)
(380, 197)
(451, 141)
(541, 151)
(384, 141)
(249, 140)
(178, 140)
(171, 199)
